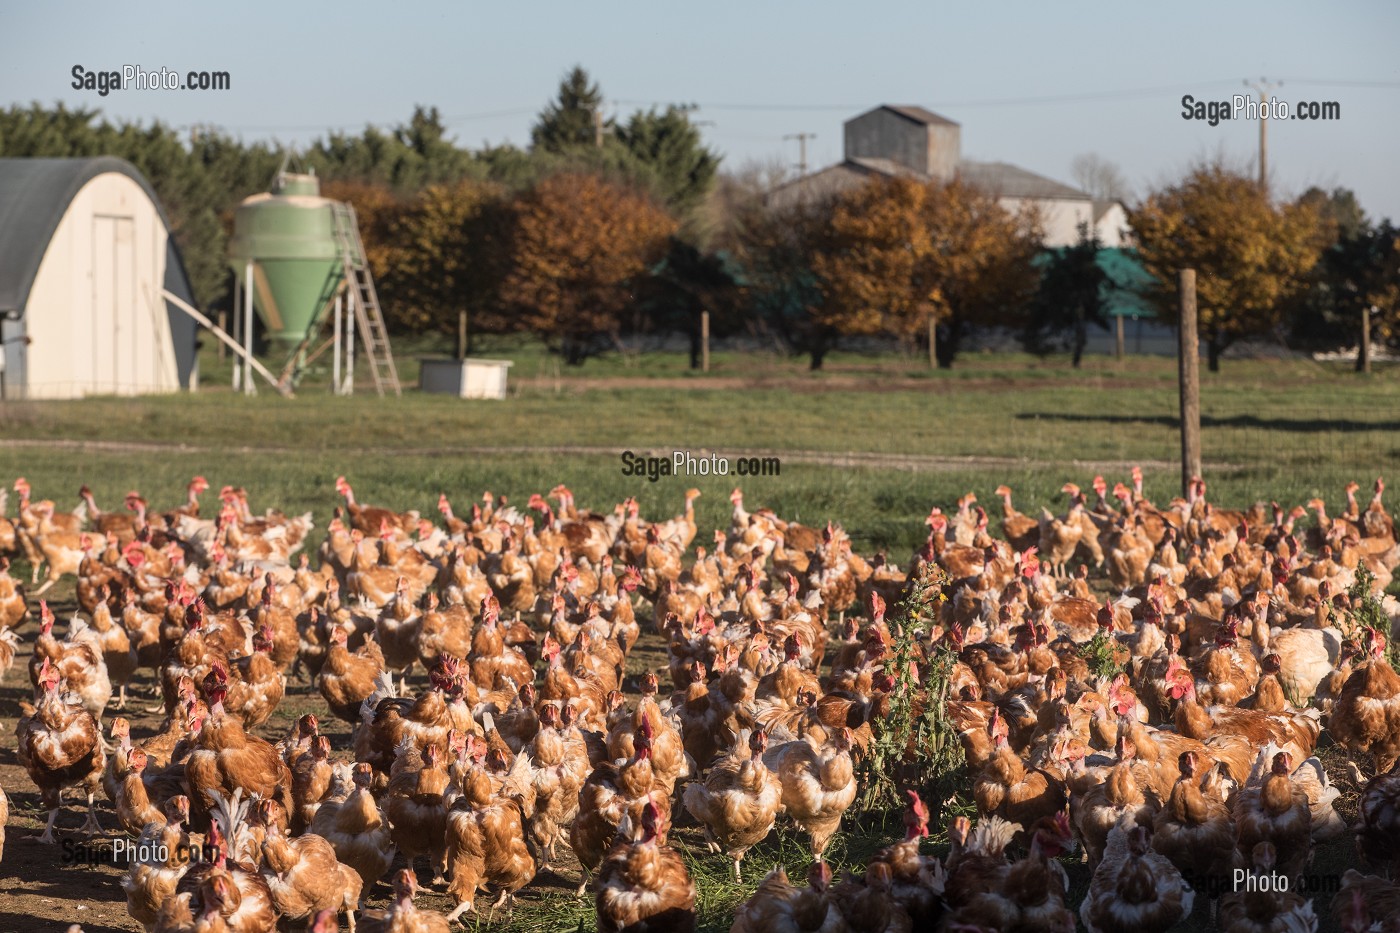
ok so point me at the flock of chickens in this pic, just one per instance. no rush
(1166, 734)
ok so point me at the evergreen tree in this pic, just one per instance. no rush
(1069, 299)
(669, 144)
(569, 122)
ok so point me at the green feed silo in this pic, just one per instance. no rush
(289, 237)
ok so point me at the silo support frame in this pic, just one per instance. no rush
(232, 344)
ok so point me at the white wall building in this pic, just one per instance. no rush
(85, 251)
(912, 142)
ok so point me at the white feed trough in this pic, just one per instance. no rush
(468, 378)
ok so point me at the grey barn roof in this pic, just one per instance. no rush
(919, 114)
(34, 195)
(1009, 181)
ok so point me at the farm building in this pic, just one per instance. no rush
(912, 142)
(85, 252)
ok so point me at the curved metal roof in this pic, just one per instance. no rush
(34, 196)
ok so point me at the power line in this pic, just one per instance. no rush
(1327, 82)
(973, 102)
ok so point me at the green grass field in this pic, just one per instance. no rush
(871, 442)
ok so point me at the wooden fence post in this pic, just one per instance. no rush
(705, 341)
(1363, 353)
(1189, 368)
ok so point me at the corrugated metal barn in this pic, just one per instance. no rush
(85, 252)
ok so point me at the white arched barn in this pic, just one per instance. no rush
(85, 252)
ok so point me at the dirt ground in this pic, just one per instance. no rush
(873, 381)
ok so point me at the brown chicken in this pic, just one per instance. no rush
(1277, 812)
(1194, 831)
(133, 804)
(1104, 806)
(777, 905)
(1255, 906)
(246, 905)
(643, 884)
(738, 801)
(1365, 903)
(305, 877)
(1006, 788)
(355, 826)
(612, 791)
(256, 683)
(818, 784)
(386, 719)
(1135, 890)
(77, 660)
(163, 856)
(415, 806)
(346, 679)
(1378, 832)
(486, 841)
(559, 773)
(60, 746)
(402, 916)
(1028, 895)
(225, 759)
(1366, 715)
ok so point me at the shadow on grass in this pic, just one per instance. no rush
(1299, 425)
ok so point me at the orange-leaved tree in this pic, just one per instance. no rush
(979, 269)
(578, 244)
(870, 256)
(447, 258)
(898, 256)
(1250, 254)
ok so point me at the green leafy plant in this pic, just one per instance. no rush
(915, 744)
(1098, 654)
(1368, 612)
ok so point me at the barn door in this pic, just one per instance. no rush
(114, 332)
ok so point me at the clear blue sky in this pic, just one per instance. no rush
(299, 69)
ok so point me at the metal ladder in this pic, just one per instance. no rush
(360, 284)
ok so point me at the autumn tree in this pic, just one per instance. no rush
(980, 271)
(871, 258)
(903, 257)
(1250, 255)
(578, 246)
(448, 257)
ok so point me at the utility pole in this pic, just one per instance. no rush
(598, 127)
(801, 150)
(1264, 87)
